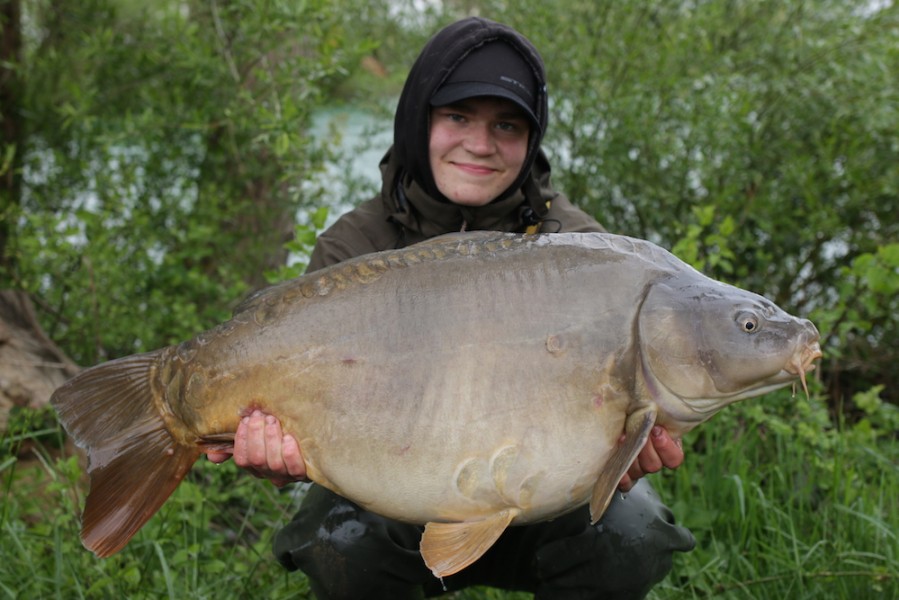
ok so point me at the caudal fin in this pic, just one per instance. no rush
(134, 463)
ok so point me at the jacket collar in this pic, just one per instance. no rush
(412, 207)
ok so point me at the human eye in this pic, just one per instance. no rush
(512, 126)
(450, 114)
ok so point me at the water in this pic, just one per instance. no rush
(358, 139)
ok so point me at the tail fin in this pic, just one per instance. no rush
(134, 462)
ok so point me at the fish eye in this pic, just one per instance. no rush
(748, 322)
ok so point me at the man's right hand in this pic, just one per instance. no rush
(263, 449)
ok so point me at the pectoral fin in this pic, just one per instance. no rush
(636, 432)
(448, 548)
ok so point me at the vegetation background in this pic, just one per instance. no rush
(156, 165)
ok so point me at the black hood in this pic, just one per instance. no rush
(406, 169)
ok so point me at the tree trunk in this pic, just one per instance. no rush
(11, 134)
(31, 365)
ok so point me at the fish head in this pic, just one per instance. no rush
(706, 344)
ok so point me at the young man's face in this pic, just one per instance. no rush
(477, 148)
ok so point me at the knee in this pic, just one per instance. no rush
(347, 552)
(623, 555)
(638, 536)
(324, 521)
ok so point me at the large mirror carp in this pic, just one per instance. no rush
(468, 383)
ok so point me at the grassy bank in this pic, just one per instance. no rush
(785, 499)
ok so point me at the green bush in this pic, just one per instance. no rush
(164, 151)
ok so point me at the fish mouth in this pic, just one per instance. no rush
(803, 362)
(798, 365)
(709, 406)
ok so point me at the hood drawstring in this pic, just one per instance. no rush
(532, 220)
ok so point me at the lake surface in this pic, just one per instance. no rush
(358, 140)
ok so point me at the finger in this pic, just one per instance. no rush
(273, 437)
(648, 458)
(293, 458)
(669, 450)
(255, 451)
(626, 483)
(218, 457)
(635, 472)
(241, 443)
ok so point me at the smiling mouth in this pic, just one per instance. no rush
(475, 169)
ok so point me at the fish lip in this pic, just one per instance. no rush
(799, 364)
(803, 361)
(785, 377)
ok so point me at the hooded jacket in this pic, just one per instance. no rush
(409, 207)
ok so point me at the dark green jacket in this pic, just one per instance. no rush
(379, 224)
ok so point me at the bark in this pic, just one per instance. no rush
(31, 365)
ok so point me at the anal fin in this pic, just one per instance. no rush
(217, 442)
(636, 432)
(448, 548)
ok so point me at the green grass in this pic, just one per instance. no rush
(785, 502)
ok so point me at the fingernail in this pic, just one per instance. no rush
(656, 431)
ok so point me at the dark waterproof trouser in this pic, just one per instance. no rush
(350, 553)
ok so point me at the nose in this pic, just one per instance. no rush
(479, 139)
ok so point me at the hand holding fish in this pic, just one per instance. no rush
(264, 450)
(660, 450)
(261, 447)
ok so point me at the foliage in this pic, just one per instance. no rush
(166, 157)
(212, 538)
(755, 138)
(787, 502)
(865, 307)
(782, 507)
(301, 246)
(165, 146)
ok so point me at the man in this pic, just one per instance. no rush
(466, 156)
